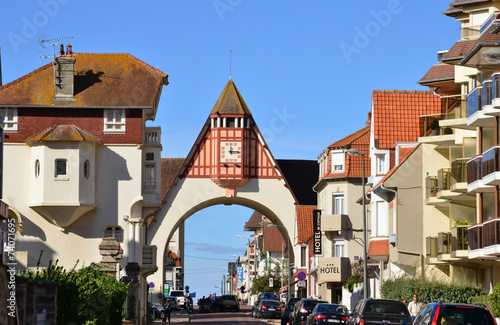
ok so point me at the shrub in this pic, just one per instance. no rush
(405, 287)
(86, 296)
(495, 300)
(352, 280)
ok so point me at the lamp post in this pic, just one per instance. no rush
(249, 283)
(283, 259)
(354, 152)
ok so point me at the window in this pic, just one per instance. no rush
(114, 231)
(9, 116)
(114, 121)
(150, 156)
(149, 176)
(338, 162)
(37, 168)
(303, 256)
(338, 248)
(381, 168)
(86, 169)
(61, 168)
(338, 204)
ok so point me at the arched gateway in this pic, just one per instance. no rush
(229, 163)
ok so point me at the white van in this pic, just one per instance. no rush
(181, 297)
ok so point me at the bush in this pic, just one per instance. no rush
(404, 288)
(495, 300)
(351, 281)
(86, 296)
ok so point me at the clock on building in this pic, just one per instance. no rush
(230, 152)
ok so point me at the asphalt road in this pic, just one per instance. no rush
(244, 316)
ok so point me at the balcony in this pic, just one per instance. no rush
(475, 103)
(484, 239)
(148, 260)
(459, 175)
(333, 269)
(491, 166)
(495, 102)
(444, 243)
(444, 185)
(475, 182)
(152, 137)
(335, 222)
(434, 132)
(431, 254)
(431, 189)
(470, 32)
(459, 242)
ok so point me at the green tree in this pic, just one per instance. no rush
(261, 283)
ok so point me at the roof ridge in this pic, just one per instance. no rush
(359, 132)
(402, 92)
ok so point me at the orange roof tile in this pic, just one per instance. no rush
(63, 133)
(304, 222)
(396, 115)
(404, 153)
(378, 248)
(101, 80)
(458, 50)
(438, 72)
(273, 240)
(359, 140)
(254, 221)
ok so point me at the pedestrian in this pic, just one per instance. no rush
(414, 307)
(404, 301)
(167, 312)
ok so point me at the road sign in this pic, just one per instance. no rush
(151, 285)
(301, 284)
(271, 282)
(167, 289)
(301, 276)
(240, 274)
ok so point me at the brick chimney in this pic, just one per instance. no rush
(64, 74)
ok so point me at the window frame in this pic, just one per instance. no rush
(340, 157)
(303, 256)
(4, 114)
(336, 197)
(150, 179)
(56, 169)
(114, 233)
(381, 164)
(109, 125)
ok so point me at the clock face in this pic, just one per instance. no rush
(230, 152)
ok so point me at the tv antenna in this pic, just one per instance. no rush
(49, 42)
(230, 72)
(53, 42)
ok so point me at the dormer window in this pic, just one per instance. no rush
(338, 161)
(381, 164)
(61, 168)
(114, 121)
(9, 116)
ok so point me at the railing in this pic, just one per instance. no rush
(459, 170)
(149, 255)
(431, 186)
(459, 238)
(474, 236)
(490, 162)
(474, 169)
(491, 232)
(444, 243)
(471, 32)
(444, 179)
(487, 93)
(152, 136)
(495, 85)
(474, 101)
(431, 246)
(488, 22)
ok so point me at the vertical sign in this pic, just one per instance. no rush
(317, 232)
(240, 274)
(271, 282)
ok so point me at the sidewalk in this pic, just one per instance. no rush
(178, 317)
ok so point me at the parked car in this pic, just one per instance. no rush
(287, 309)
(268, 309)
(174, 303)
(302, 309)
(268, 295)
(228, 302)
(158, 309)
(328, 313)
(181, 297)
(438, 312)
(379, 311)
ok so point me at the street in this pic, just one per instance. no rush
(244, 316)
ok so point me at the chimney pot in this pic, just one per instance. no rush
(61, 50)
(69, 51)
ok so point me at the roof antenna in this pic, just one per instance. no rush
(230, 73)
(52, 42)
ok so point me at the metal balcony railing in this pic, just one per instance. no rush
(490, 162)
(471, 32)
(474, 102)
(474, 169)
(431, 186)
(487, 95)
(444, 179)
(474, 236)
(444, 243)
(491, 232)
(431, 246)
(495, 85)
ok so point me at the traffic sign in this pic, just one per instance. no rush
(301, 284)
(301, 276)
(151, 285)
(271, 282)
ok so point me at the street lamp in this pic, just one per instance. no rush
(282, 258)
(354, 152)
(221, 286)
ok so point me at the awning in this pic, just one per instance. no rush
(285, 288)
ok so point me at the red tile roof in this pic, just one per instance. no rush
(273, 240)
(63, 133)
(439, 72)
(304, 222)
(458, 50)
(404, 153)
(359, 140)
(378, 248)
(254, 221)
(101, 80)
(396, 115)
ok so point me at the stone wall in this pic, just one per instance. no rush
(36, 301)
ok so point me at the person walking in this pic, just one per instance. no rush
(414, 307)
(167, 312)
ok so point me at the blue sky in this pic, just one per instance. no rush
(306, 70)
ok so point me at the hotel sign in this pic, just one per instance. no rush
(333, 269)
(317, 232)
